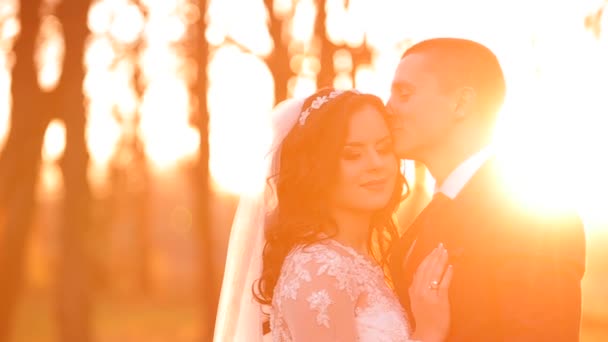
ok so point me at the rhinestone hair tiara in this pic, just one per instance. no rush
(320, 101)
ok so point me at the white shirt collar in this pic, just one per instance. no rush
(455, 181)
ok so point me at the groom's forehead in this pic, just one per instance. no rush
(424, 69)
(413, 70)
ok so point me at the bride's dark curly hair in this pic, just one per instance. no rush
(309, 161)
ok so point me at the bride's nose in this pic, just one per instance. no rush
(375, 161)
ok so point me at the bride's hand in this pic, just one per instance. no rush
(429, 297)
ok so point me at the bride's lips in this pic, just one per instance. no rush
(376, 184)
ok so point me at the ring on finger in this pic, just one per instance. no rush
(434, 285)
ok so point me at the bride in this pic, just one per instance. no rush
(307, 258)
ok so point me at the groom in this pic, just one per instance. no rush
(517, 272)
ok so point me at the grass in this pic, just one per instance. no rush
(115, 320)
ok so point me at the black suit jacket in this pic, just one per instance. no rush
(517, 271)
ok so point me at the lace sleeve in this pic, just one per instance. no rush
(320, 301)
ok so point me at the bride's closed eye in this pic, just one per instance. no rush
(351, 154)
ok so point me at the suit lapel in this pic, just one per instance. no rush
(454, 225)
(431, 233)
(405, 253)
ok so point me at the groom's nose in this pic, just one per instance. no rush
(392, 113)
(389, 107)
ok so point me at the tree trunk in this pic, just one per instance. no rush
(138, 173)
(361, 55)
(141, 203)
(19, 164)
(201, 218)
(73, 282)
(327, 73)
(278, 61)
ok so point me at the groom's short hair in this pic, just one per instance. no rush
(462, 62)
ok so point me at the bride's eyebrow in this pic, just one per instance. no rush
(385, 139)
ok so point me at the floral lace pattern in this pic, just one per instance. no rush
(319, 301)
(327, 291)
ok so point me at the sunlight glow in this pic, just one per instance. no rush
(343, 81)
(239, 119)
(103, 132)
(127, 23)
(165, 29)
(9, 28)
(99, 19)
(246, 26)
(163, 6)
(100, 54)
(310, 66)
(159, 62)
(354, 32)
(140, 88)
(51, 180)
(50, 51)
(556, 112)
(343, 61)
(5, 99)
(337, 21)
(302, 24)
(408, 169)
(164, 123)
(124, 94)
(282, 8)
(54, 141)
(302, 86)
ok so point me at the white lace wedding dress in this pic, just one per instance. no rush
(330, 292)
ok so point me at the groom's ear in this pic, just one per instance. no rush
(465, 102)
